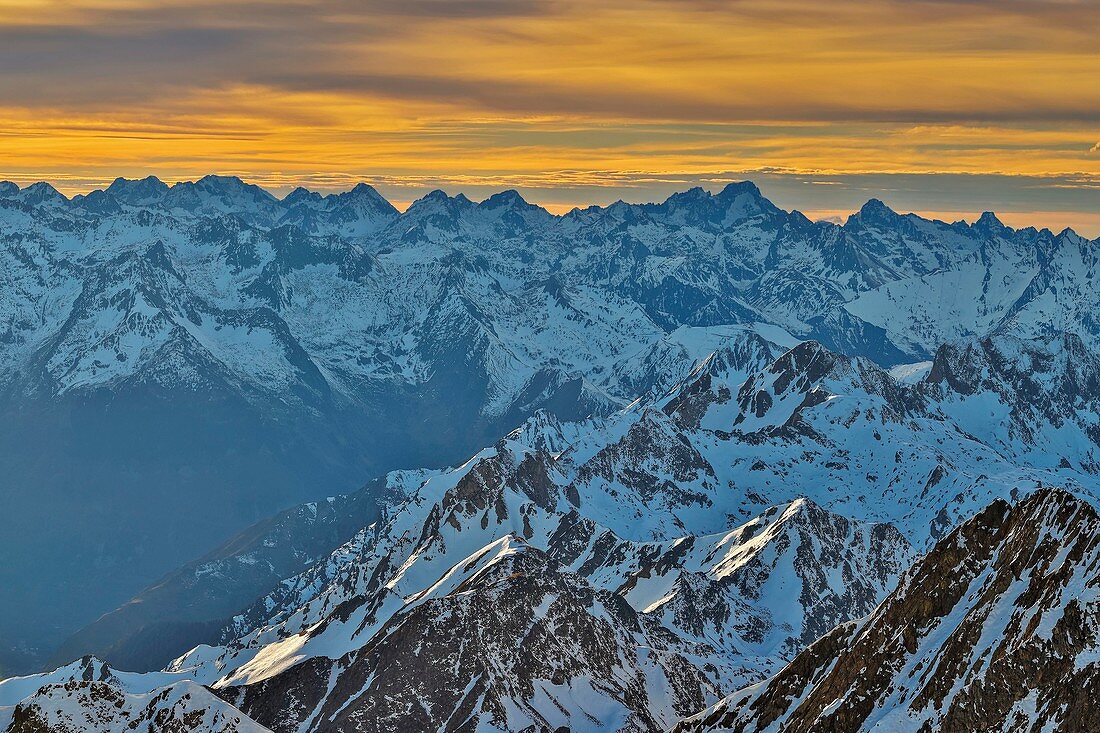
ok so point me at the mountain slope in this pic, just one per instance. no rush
(638, 555)
(344, 602)
(100, 707)
(88, 696)
(193, 604)
(504, 641)
(995, 629)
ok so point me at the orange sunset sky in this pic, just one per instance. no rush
(947, 108)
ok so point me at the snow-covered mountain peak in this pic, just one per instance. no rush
(365, 190)
(743, 200)
(874, 213)
(40, 194)
(990, 225)
(216, 195)
(98, 202)
(138, 192)
(510, 198)
(357, 213)
(739, 188)
(365, 198)
(545, 432)
(877, 216)
(437, 203)
(88, 668)
(1069, 237)
(92, 706)
(232, 186)
(302, 195)
(715, 379)
(693, 196)
(734, 204)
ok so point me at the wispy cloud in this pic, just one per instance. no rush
(618, 94)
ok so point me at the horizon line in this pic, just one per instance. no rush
(818, 216)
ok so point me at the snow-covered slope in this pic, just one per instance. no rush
(834, 566)
(101, 707)
(504, 641)
(808, 429)
(624, 276)
(995, 629)
(90, 697)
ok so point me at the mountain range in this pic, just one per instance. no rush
(620, 469)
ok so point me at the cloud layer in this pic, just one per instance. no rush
(604, 98)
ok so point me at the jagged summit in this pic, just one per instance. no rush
(989, 222)
(300, 195)
(874, 213)
(36, 194)
(137, 191)
(994, 629)
(740, 187)
(229, 187)
(438, 200)
(734, 201)
(509, 198)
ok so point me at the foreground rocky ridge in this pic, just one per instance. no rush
(505, 641)
(997, 628)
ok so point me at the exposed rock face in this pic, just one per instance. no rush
(506, 641)
(645, 631)
(835, 568)
(637, 556)
(1047, 390)
(997, 628)
(755, 594)
(629, 637)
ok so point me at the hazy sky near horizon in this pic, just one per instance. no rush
(949, 107)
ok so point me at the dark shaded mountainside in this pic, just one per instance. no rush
(194, 603)
(997, 628)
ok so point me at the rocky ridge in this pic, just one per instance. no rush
(995, 629)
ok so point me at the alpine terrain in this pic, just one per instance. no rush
(700, 465)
